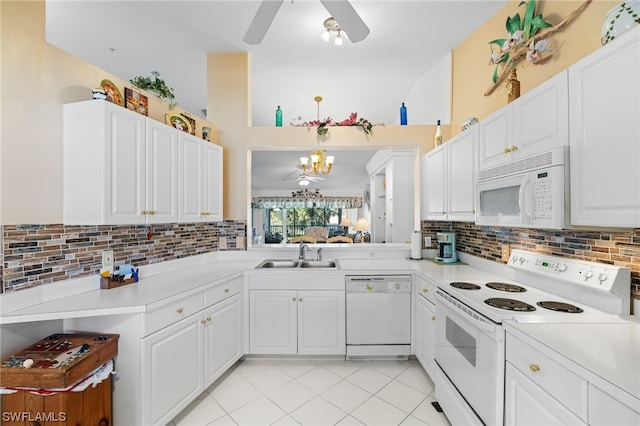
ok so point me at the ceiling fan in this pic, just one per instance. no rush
(340, 10)
(304, 179)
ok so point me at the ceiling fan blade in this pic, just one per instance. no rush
(262, 21)
(347, 18)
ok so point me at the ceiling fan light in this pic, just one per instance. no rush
(304, 182)
(338, 41)
(325, 35)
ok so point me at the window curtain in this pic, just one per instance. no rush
(310, 202)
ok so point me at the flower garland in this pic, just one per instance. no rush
(323, 125)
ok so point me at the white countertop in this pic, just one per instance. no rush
(183, 277)
(609, 350)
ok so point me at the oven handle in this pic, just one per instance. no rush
(477, 321)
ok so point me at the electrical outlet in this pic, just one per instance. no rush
(506, 252)
(107, 259)
(240, 242)
(427, 242)
(222, 243)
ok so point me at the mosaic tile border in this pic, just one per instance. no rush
(615, 248)
(37, 254)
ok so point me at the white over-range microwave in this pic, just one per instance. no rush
(532, 192)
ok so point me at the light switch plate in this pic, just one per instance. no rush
(222, 243)
(240, 242)
(107, 259)
(506, 252)
(427, 242)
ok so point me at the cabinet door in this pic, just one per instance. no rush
(190, 178)
(425, 334)
(434, 184)
(273, 322)
(321, 323)
(496, 134)
(172, 373)
(162, 173)
(222, 337)
(461, 175)
(528, 404)
(125, 167)
(604, 95)
(540, 118)
(212, 182)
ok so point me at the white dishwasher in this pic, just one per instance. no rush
(378, 316)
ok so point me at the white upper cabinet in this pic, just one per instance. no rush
(122, 168)
(104, 164)
(533, 123)
(161, 173)
(604, 135)
(449, 179)
(199, 180)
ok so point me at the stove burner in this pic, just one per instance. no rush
(509, 304)
(511, 288)
(464, 286)
(560, 307)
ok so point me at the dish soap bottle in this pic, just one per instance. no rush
(438, 137)
(278, 117)
(403, 115)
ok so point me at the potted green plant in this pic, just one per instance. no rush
(156, 85)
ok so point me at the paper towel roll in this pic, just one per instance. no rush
(416, 245)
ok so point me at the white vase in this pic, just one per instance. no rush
(620, 19)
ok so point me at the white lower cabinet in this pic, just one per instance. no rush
(305, 322)
(544, 387)
(425, 325)
(526, 403)
(222, 337)
(172, 370)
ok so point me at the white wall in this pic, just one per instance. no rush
(430, 98)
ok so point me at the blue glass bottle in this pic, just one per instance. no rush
(278, 117)
(403, 115)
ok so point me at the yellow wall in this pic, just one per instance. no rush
(36, 80)
(472, 72)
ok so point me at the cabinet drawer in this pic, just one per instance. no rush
(426, 289)
(222, 291)
(162, 316)
(565, 386)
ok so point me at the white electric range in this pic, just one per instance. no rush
(470, 347)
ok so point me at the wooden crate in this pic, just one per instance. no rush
(91, 407)
(52, 366)
(59, 361)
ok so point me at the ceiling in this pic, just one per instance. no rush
(290, 67)
(277, 169)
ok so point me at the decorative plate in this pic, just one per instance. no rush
(113, 94)
(178, 121)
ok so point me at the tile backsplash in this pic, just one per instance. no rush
(39, 254)
(620, 248)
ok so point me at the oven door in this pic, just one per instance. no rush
(470, 351)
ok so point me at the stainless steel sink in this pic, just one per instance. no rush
(293, 264)
(318, 264)
(279, 263)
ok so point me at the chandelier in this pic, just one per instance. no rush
(320, 162)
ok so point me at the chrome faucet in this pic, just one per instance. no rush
(319, 255)
(303, 247)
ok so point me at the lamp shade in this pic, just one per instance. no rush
(362, 225)
(346, 222)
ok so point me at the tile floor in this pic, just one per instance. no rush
(260, 391)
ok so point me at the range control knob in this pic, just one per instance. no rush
(602, 277)
(588, 275)
(562, 267)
